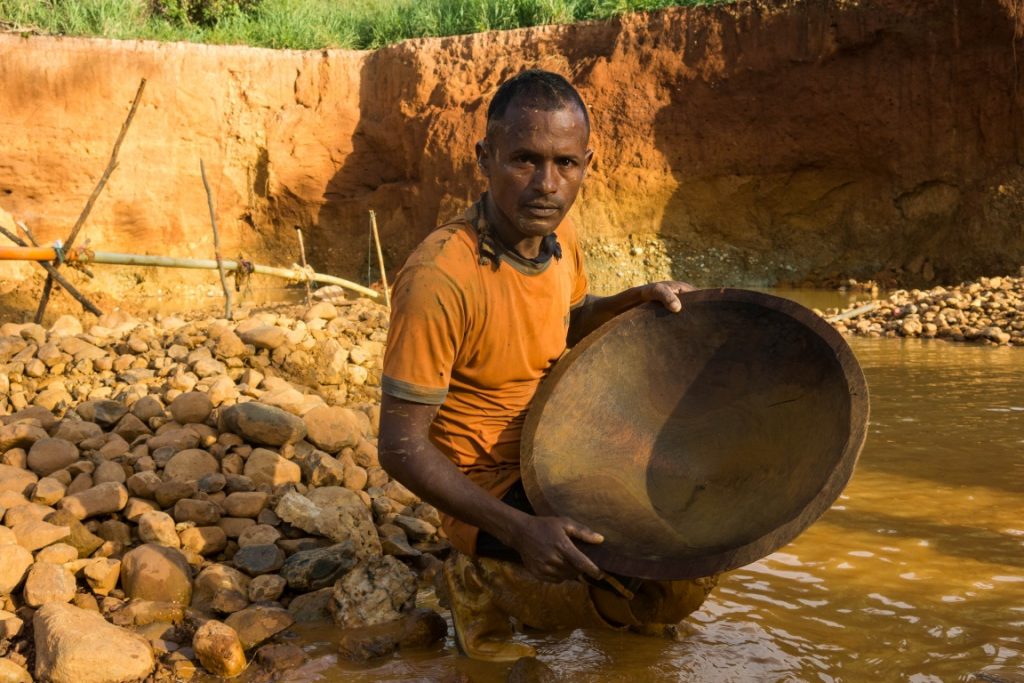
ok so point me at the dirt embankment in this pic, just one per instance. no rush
(749, 144)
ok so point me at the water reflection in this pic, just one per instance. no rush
(916, 574)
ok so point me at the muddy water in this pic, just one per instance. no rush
(916, 574)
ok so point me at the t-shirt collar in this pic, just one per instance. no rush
(492, 249)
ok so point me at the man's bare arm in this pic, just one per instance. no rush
(544, 543)
(596, 311)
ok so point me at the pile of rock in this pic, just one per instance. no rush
(989, 310)
(169, 500)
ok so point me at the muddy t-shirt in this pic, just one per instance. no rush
(474, 329)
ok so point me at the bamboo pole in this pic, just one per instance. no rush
(118, 259)
(51, 271)
(860, 310)
(380, 259)
(111, 165)
(302, 254)
(216, 243)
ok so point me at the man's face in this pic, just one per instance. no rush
(534, 161)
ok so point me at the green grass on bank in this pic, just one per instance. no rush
(305, 24)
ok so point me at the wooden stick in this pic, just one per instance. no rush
(111, 165)
(302, 253)
(380, 259)
(216, 243)
(53, 275)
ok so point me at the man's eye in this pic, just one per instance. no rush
(566, 162)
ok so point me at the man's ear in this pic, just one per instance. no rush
(483, 150)
(587, 159)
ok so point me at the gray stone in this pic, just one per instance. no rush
(74, 645)
(259, 559)
(266, 467)
(261, 424)
(199, 512)
(340, 516)
(309, 570)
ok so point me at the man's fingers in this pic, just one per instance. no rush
(574, 530)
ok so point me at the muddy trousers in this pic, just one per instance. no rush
(486, 594)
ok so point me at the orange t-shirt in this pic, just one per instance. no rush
(474, 329)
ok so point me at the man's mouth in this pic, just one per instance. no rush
(541, 210)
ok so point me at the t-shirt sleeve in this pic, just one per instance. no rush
(427, 323)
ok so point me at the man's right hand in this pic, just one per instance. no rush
(548, 552)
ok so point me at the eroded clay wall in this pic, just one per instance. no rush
(749, 144)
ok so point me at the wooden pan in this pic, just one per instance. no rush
(697, 442)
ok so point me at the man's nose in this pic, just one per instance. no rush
(545, 178)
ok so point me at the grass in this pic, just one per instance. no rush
(311, 24)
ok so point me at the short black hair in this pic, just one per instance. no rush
(544, 89)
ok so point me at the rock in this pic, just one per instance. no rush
(279, 657)
(378, 590)
(219, 649)
(256, 623)
(335, 513)
(25, 513)
(80, 538)
(143, 612)
(107, 472)
(212, 483)
(259, 534)
(49, 455)
(102, 575)
(156, 572)
(332, 428)
(10, 625)
(65, 326)
(104, 413)
(245, 503)
(158, 527)
(419, 628)
(167, 493)
(417, 529)
(34, 534)
(229, 345)
(234, 527)
(324, 310)
(147, 407)
(311, 607)
(77, 431)
(74, 645)
(193, 406)
(143, 484)
(222, 589)
(14, 564)
(17, 480)
(261, 424)
(99, 500)
(267, 467)
(48, 491)
(264, 337)
(58, 553)
(313, 569)
(48, 583)
(176, 439)
(21, 435)
(130, 428)
(13, 673)
(190, 465)
(531, 670)
(259, 559)
(266, 588)
(204, 540)
(199, 512)
(137, 507)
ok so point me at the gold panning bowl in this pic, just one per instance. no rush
(701, 441)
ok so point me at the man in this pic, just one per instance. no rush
(481, 311)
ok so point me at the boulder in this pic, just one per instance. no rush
(79, 537)
(48, 583)
(99, 500)
(221, 588)
(335, 513)
(17, 480)
(204, 540)
(267, 467)
(256, 623)
(49, 455)
(33, 534)
(259, 559)
(158, 527)
(190, 407)
(261, 424)
(11, 672)
(378, 590)
(264, 336)
(156, 572)
(332, 428)
(14, 564)
(74, 645)
(219, 649)
(309, 570)
(190, 465)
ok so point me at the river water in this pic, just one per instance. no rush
(915, 574)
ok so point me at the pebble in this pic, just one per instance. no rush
(219, 649)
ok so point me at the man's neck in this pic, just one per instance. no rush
(527, 247)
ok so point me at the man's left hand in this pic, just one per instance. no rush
(667, 293)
